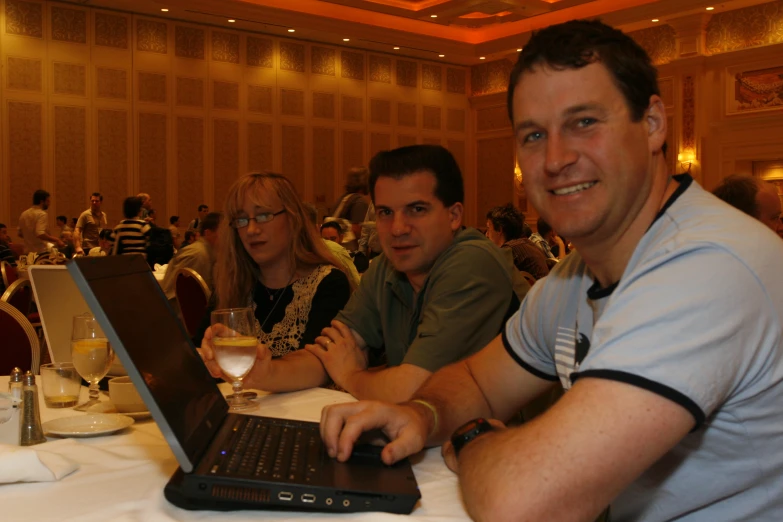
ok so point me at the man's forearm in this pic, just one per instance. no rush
(387, 384)
(47, 237)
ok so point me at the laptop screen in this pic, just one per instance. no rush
(156, 350)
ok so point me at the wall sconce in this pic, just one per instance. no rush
(686, 158)
(517, 174)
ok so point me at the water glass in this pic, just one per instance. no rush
(91, 354)
(234, 342)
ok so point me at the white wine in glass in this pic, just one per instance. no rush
(235, 349)
(91, 353)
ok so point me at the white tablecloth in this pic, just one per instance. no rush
(122, 476)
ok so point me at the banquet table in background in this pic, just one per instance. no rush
(122, 475)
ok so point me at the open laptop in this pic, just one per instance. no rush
(282, 464)
(58, 300)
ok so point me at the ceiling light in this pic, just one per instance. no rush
(519, 50)
(710, 8)
(441, 55)
(231, 20)
(433, 16)
(346, 39)
(655, 20)
(165, 10)
(396, 48)
(482, 57)
(292, 30)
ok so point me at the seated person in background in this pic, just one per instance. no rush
(68, 248)
(200, 256)
(754, 197)
(504, 228)
(6, 254)
(131, 235)
(160, 248)
(62, 224)
(549, 242)
(104, 244)
(174, 229)
(665, 325)
(331, 233)
(271, 258)
(189, 238)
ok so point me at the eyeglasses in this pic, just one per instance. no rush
(264, 217)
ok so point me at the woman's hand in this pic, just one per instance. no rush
(261, 369)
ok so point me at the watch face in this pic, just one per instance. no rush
(469, 431)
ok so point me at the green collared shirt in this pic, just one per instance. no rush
(461, 307)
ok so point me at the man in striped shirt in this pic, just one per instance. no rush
(132, 234)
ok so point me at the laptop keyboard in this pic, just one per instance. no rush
(273, 449)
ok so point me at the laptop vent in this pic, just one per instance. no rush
(241, 494)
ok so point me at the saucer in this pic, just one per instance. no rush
(108, 407)
(87, 425)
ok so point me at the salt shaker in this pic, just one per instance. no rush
(15, 383)
(30, 428)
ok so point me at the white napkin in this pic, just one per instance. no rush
(33, 464)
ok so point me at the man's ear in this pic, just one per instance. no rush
(655, 117)
(455, 215)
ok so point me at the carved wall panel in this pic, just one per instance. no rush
(70, 78)
(495, 169)
(111, 83)
(294, 156)
(225, 47)
(260, 52)
(324, 142)
(430, 141)
(292, 57)
(24, 74)
(69, 25)
(492, 118)
(190, 92)
(292, 102)
(490, 77)
(226, 158)
(455, 120)
(380, 69)
(404, 140)
(259, 99)
(190, 165)
(659, 42)
(225, 95)
(353, 109)
(380, 111)
(747, 27)
(352, 65)
(70, 159)
(688, 114)
(24, 18)
(111, 30)
(457, 149)
(407, 73)
(430, 117)
(152, 87)
(189, 42)
(152, 36)
(353, 150)
(322, 61)
(455, 80)
(666, 86)
(323, 105)
(112, 139)
(153, 168)
(406, 114)
(259, 147)
(378, 142)
(431, 77)
(25, 152)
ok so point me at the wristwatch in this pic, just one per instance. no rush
(469, 431)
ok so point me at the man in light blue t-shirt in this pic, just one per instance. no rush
(665, 327)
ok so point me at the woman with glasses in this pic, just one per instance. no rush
(271, 257)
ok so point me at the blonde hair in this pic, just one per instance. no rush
(236, 273)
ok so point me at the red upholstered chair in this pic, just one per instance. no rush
(192, 296)
(20, 344)
(9, 273)
(19, 295)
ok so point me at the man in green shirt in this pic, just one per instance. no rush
(439, 293)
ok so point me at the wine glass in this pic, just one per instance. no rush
(235, 343)
(91, 353)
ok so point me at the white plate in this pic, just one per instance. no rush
(89, 425)
(108, 407)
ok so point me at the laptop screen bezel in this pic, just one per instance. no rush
(86, 270)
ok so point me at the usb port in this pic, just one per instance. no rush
(308, 498)
(285, 495)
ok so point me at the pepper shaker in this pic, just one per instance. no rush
(31, 431)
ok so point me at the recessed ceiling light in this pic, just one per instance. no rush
(710, 8)
(292, 30)
(346, 39)
(482, 57)
(441, 55)
(165, 10)
(519, 50)
(231, 20)
(396, 48)
(433, 16)
(655, 20)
